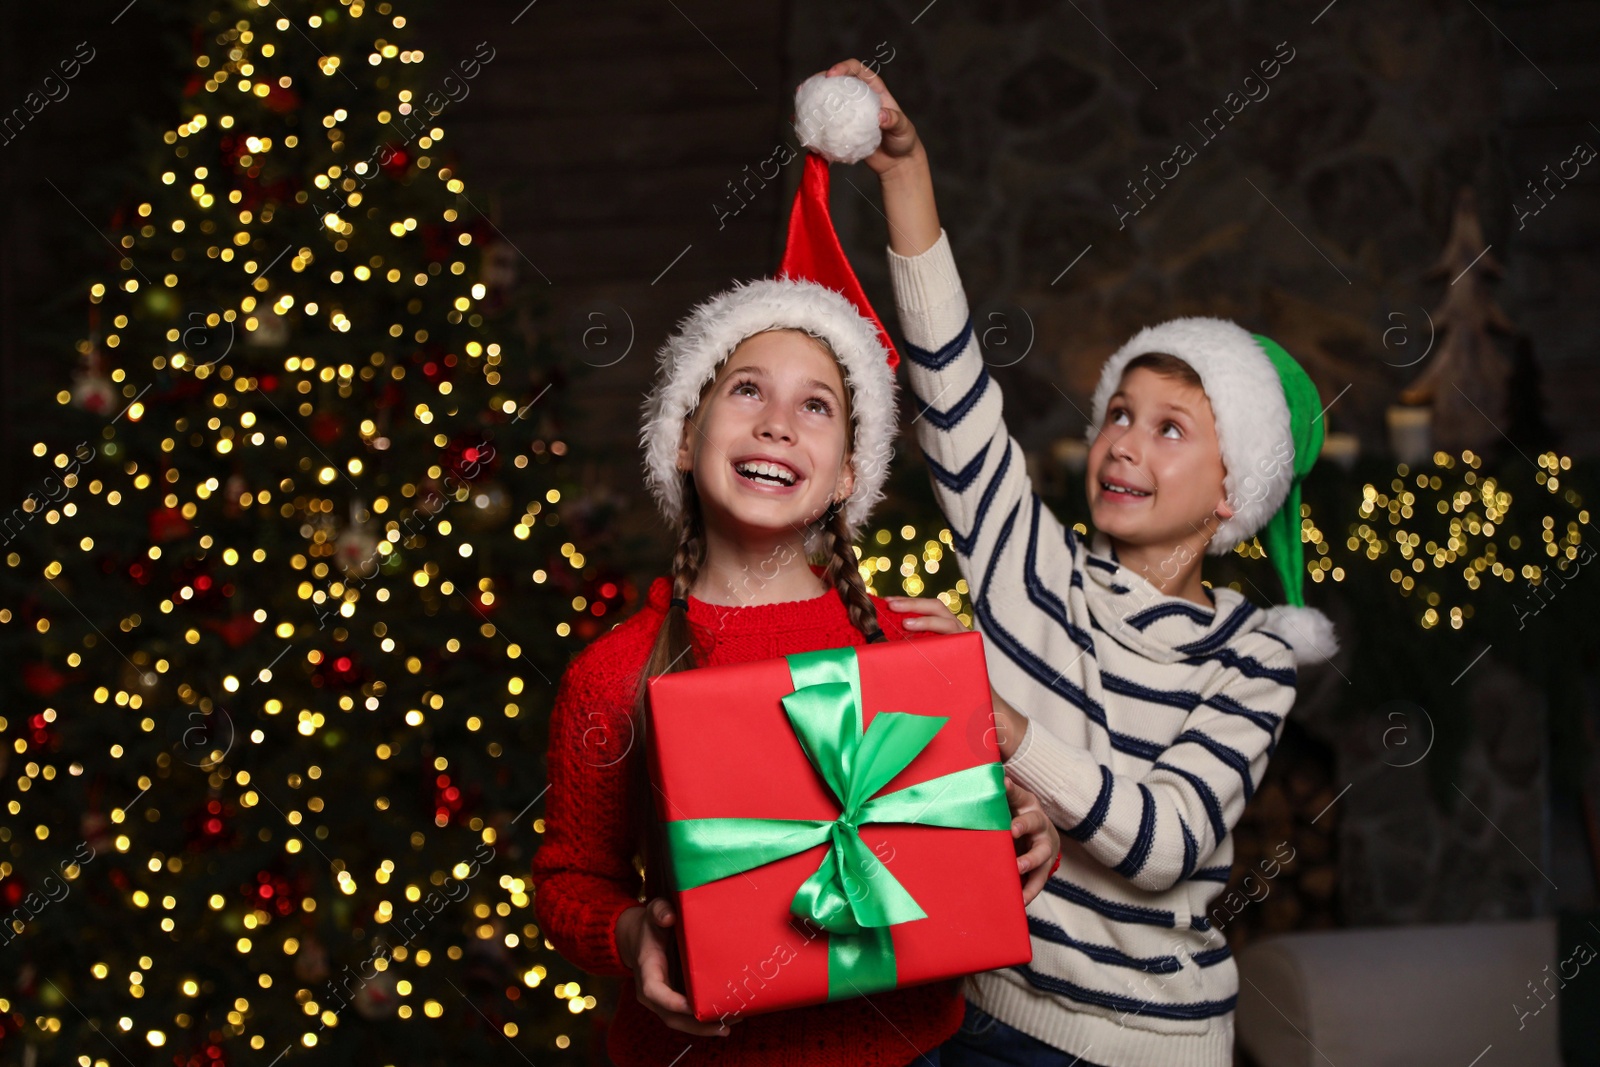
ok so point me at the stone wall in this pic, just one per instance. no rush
(1292, 171)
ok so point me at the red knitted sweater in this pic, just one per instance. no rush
(585, 874)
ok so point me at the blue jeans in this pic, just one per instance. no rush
(984, 1041)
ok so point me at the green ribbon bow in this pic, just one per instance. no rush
(852, 895)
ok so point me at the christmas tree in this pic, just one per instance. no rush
(275, 743)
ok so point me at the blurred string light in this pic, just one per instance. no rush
(1442, 532)
(913, 566)
(1445, 532)
(206, 223)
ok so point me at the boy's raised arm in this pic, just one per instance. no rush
(979, 472)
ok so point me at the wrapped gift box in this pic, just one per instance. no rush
(834, 824)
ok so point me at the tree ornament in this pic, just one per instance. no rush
(92, 388)
(1465, 382)
(377, 998)
(490, 506)
(311, 962)
(356, 547)
(272, 331)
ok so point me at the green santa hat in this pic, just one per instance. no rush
(1269, 429)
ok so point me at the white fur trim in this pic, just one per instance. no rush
(1307, 629)
(1247, 402)
(709, 334)
(837, 118)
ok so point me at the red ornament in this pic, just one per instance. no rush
(42, 679)
(167, 523)
(338, 671)
(236, 631)
(282, 101)
(272, 892)
(471, 457)
(39, 730)
(399, 160)
(12, 890)
(325, 427)
(209, 827)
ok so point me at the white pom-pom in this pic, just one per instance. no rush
(1308, 630)
(837, 117)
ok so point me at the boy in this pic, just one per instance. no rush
(1146, 704)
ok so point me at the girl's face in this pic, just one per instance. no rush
(769, 442)
(1155, 472)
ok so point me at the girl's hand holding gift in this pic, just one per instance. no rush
(643, 941)
(1036, 835)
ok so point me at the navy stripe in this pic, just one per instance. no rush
(1111, 909)
(1232, 757)
(1056, 683)
(1182, 699)
(1040, 671)
(1212, 874)
(1226, 704)
(1268, 633)
(1141, 619)
(946, 420)
(1211, 956)
(1219, 826)
(1097, 813)
(1096, 561)
(959, 480)
(1115, 588)
(1139, 851)
(1222, 634)
(1135, 746)
(1041, 595)
(1199, 922)
(1191, 850)
(1248, 666)
(1045, 930)
(1200, 1009)
(947, 352)
(965, 544)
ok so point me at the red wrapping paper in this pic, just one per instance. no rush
(720, 745)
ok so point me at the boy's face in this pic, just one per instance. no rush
(778, 398)
(1159, 441)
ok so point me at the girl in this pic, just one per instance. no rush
(767, 438)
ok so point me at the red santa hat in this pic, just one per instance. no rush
(815, 291)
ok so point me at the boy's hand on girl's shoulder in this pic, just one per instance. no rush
(927, 614)
(643, 941)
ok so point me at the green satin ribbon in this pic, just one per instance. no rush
(852, 895)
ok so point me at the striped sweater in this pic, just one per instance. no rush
(1151, 720)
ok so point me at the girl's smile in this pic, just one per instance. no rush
(769, 443)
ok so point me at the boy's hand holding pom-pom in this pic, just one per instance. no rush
(846, 114)
(837, 118)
